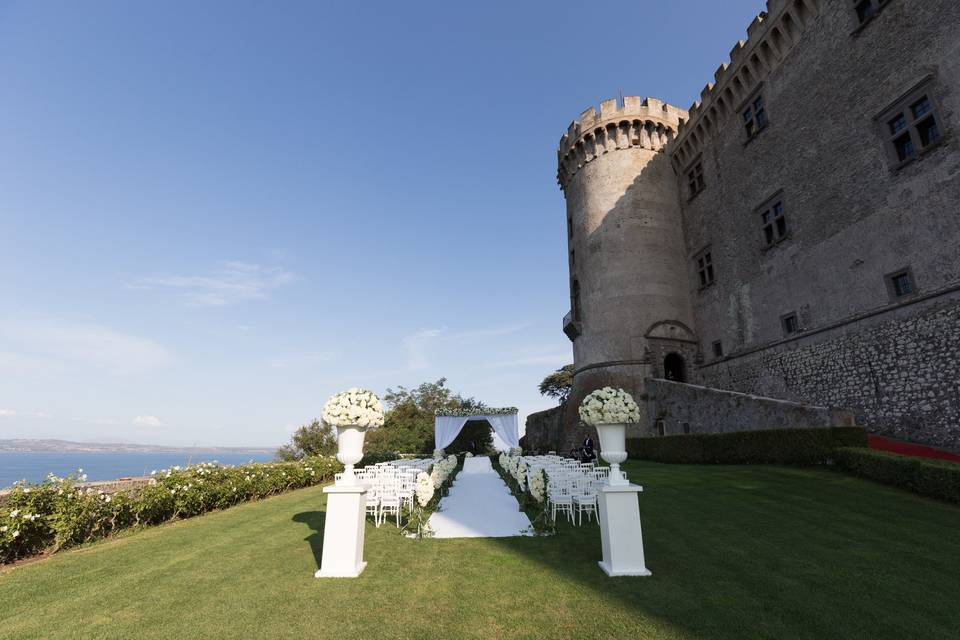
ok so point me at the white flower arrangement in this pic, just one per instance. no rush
(442, 469)
(438, 453)
(516, 451)
(476, 411)
(609, 406)
(354, 407)
(520, 471)
(468, 455)
(425, 489)
(538, 486)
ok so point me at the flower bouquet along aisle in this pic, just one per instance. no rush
(609, 410)
(352, 413)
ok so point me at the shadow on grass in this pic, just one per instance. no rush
(315, 520)
(767, 551)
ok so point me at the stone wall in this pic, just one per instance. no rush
(854, 216)
(544, 429)
(687, 408)
(899, 372)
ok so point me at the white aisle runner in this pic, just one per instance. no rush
(479, 506)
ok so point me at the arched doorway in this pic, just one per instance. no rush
(674, 368)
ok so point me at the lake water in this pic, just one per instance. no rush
(34, 467)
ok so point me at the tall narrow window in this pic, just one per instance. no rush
(704, 264)
(773, 222)
(790, 324)
(755, 116)
(695, 181)
(575, 291)
(867, 9)
(911, 126)
(717, 349)
(900, 284)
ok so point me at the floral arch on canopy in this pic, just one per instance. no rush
(447, 424)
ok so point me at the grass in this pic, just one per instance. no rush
(736, 552)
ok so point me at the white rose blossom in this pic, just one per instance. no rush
(425, 489)
(353, 407)
(609, 406)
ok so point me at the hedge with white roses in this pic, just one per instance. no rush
(58, 513)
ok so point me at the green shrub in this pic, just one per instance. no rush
(938, 479)
(769, 446)
(58, 513)
(373, 457)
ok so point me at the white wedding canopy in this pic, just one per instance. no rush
(504, 423)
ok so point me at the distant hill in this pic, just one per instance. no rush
(25, 445)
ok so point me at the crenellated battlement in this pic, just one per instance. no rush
(647, 123)
(770, 36)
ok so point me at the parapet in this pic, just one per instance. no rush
(648, 123)
(770, 36)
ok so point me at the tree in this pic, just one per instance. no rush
(408, 421)
(558, 384)
(314, 439)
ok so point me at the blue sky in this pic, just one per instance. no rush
(213, 215)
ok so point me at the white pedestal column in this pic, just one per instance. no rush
(620, 531)
(343, 532)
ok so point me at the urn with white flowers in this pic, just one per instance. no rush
(352, 412)
(609, 410)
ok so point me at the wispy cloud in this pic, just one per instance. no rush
(227, 284)
(551, 359)
(55, 346)
(493, 332)
(299, 360)
(12, 413)
(101, 421)
(147, 421)
(415, 344)
(459, 343)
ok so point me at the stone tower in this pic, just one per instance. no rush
(630, 313)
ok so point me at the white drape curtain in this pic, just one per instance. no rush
(446, 428)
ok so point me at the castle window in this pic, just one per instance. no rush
(774, 222)
(911, 126)
(686, 427)
(575, 294)
(695, 178)
(704, 263)
(900, 284)
(866, 10)
(717, 349)
(755, 116)
(790, 324)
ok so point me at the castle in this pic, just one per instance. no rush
(787, 251)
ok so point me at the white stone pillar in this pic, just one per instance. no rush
(343, 532)
(620, 534)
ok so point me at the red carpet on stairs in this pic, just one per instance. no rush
(909, 449)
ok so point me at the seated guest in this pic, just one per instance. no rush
(588, 454)
(574, 454)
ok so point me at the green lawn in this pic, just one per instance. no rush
(736, 552)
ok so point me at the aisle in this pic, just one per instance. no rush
(479, 506)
